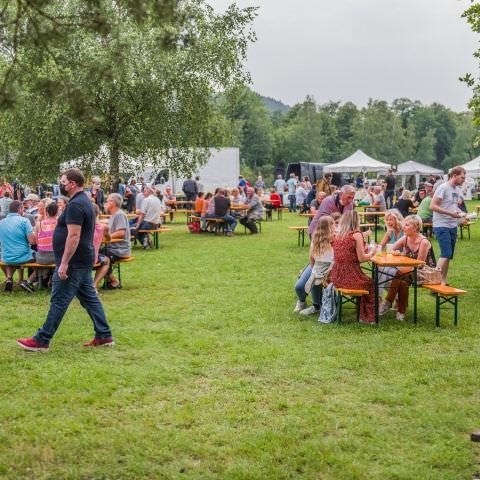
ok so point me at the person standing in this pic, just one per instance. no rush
(292, 184)
(280, 186)
(190, 189)
(74, 256)
(446, 213)
(389, 189)
(325, 184)
(200, 186)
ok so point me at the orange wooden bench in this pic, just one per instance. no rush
(349, 295)
(445, 295)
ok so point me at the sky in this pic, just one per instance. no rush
(354, 50)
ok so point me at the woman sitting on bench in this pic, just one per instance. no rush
(414, 245)
(349, 251)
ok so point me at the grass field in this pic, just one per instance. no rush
(214, 377)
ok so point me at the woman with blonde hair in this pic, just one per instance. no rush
(405, 203)
(414, 245)
(393, 222)
(349, 251)
(316, 272)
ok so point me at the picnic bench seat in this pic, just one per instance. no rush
(349, 295)
(154, 232)
(301, 234)
(444, 294)
(116, 266)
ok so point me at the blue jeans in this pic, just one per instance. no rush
(78, 284)
(231, 222)
(292, 206)
(300, 288)
(389, 194)
(143, 226)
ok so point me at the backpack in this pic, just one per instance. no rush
(194, 227)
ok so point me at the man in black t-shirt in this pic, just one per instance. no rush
(74, 259)
(389, 189)
(222, 207)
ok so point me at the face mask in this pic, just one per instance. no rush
(63, 191)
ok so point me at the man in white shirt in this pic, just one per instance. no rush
(148, 215)
(445, 217)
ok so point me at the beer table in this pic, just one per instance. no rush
(390, 260)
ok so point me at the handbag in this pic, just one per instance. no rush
(429, 276)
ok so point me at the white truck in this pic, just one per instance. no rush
(221, 170)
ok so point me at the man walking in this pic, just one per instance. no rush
(73, 250)
(446, 213)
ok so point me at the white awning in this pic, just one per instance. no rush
(414, 168)
(358, 162)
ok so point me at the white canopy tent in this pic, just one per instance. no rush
(472, 167)
(416, 169)
(358, 162)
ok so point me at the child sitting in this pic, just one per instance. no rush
(316, 272)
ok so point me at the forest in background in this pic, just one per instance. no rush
(271, 134)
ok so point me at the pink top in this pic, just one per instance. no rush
(97, 240)
(45, 235)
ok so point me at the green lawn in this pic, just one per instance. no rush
(213, 376)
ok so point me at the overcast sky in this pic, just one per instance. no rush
(360, 49)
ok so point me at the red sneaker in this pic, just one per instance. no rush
(32, 345)
(100, 342)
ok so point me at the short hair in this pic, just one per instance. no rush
(197, 178)
(116, 198)
(416, 220)
(6, 193)
(456, 171)
(406, 195)
(51, 209)
(75, 175)
(347, 189)
(394, 213)
(15, 206)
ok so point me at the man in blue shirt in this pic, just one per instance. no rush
(74, 258)
(16, 236)
(292, 184)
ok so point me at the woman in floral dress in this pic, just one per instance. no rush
(349, 252)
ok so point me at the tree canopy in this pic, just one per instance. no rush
(129, 87)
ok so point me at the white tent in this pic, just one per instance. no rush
(472, 167)
(410, 167)
(415, 168)
(358, 162)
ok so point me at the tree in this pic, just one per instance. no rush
(249, 118)
(127, 91)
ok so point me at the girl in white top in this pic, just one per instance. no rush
(316, 273)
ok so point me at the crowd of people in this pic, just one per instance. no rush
(51, 230)
(338, 247)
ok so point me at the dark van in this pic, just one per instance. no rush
(314, 171)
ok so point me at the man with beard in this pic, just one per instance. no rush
(74, 257)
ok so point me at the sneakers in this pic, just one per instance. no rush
(8, 285)
(384, 308)
(27, 286)
(400, 317)
(32, 345)
(100, 342)
(299, 306)
(310, 310)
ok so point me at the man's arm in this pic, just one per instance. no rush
(435, 207)
(32, 238)
(71, 244)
